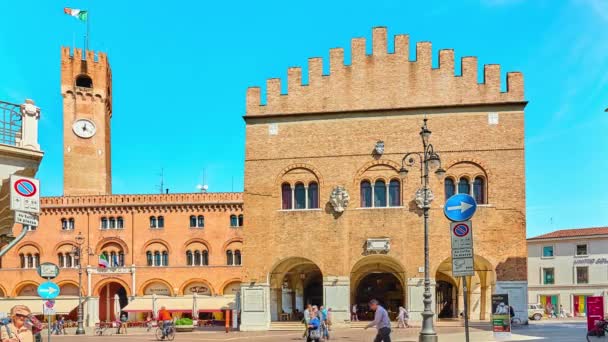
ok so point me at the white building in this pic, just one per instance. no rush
(566, 266)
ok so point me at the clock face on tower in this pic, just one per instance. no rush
(84, 128)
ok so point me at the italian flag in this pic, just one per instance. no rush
(76, 13)
(103, 261)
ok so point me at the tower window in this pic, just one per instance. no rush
(84, 81)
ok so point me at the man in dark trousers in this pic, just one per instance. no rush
(381, 322)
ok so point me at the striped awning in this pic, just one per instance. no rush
(63, 304)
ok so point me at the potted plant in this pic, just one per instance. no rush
(184, 325)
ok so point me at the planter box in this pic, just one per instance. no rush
(184, 328)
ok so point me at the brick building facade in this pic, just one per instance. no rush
(320, 138)
(169, 245)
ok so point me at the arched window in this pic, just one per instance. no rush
(241, 220)
(149, 259)
(71, 224)
(120, 223)
(237, 257)
(64, 224)
(106, 255)
(112, 223)
(366, 194)
(165, 258)
(200, 221)
(121, 259)
(205, 258)
(450, 187)
(234, 222)
(192, 221)
(84, 81)
(152, 222)
(394, 193)
(60, 260)
(300, 196)
(464, 186)
(22, 260)
(68, 260)
(313, 195)
(113, 259)
(104, 223)
(286, 196)
(229, 258)
(197, 258)
(161, 222)
(189, 258)
(36, 260)
(157, 260)
(479, 190)
(380, 194)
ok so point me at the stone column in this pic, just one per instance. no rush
(336, 295)
(92, 311)
(29, 127)
(255, 307)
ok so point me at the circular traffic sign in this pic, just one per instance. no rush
(461, 230)
(25, 187)
(48, 290)
(460, 207)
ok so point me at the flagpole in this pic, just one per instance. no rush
(88, 25)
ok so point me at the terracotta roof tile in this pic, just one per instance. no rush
(565, 233)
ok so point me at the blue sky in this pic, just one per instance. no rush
(180, 70)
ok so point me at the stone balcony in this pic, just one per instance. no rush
(19, 152)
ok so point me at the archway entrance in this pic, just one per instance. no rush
(449, 290)
(107, 301)
(294, 283)
(377, 277)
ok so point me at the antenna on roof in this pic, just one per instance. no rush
(203, 187)
(161, 187)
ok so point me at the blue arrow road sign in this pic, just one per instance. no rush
(460, 207)
(48, 290)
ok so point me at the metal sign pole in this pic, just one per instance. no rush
(48, 320)
(466, 309)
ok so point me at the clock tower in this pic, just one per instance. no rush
(86, 87)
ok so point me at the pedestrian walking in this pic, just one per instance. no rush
(122, 324)
(323, 318)
(329, 318)
(164, 318)
(403, 318)
(20, 326)
(381, 322)
(306, 320)
(353, 315)
(148, 322)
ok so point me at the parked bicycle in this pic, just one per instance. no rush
(169, 333)
(599, 330)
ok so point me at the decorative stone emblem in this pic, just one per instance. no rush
(29, 108)
(420, 197)
(379, 149)
(339, 199)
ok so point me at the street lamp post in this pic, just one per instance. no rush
(428, 159)
(77, 253)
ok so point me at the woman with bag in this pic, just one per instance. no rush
(314, 326)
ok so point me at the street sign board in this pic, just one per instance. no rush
(25, 194)
(48, 270)
(460, 207)
(26, 218)
(462, 253)
(48, 290)
(462, 234)
(48, 307)
(462, 267)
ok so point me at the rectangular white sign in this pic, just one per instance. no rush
(25, 194)
(26, 218)
(462, 234)
(463, 267)
(462, 253)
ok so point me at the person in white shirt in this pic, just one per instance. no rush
(353, 315)
(403, 318)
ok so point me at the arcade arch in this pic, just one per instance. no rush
(449, 290)
(294, 283)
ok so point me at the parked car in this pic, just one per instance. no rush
(535, 311)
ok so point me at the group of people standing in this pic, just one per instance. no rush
(317, 322)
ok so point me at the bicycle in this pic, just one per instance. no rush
(103, 329)
(170, 332)
(599, 329)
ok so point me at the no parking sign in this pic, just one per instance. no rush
(25, 194)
